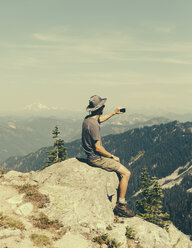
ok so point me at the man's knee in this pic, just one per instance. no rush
(128, 174)
(123, 171)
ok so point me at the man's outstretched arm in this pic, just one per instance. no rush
(107, 116)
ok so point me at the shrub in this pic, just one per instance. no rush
(105, 239)
(149, 206)
(109, 227)
(43, 222)
(33, 195)
(9, 222)
(40, 240)
(59, 233)
(117, 219)
(130, 233)
(2, 172)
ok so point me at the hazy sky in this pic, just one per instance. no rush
(137, 53)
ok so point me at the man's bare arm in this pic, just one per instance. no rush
(107, 116)
(101, 150)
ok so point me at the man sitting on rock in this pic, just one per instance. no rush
(96, 153)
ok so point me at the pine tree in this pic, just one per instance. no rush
(59, 153)
(150, 205)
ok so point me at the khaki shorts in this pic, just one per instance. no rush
(105, 163)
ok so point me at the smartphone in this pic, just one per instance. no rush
(123, 110)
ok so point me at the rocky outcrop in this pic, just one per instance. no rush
(68, 205)
(79, 193)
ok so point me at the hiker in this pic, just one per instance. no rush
(96, 153)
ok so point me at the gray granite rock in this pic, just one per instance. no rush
(79, 193)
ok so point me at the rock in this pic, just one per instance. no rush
(119, 234)
(17, 199)
(79, 193)
(25, 209)
(14, 242)
(20, 209)
(150, 235)
(6, 233)
(16, 178)
(73, 240)
(178, 239)
(82, 198)
(6, 193)
(104, 246)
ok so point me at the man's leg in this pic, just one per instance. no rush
(120, 208)
(112, 165)
(123, 184)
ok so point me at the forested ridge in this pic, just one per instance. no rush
(178, 202)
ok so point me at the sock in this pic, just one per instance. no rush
(122, 200)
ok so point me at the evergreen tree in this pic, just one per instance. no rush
(59, 153)
(150, 205)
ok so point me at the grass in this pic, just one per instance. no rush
(105, 239)
(9, 222)
(54, 226)
(33, 195)
(117, 219)
(40, 240)
(28, 189)
(109, 227)
(130, 233)
(43, 222)
(2, 172)
(59, 234)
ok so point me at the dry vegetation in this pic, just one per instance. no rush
(43, 222)
(54, 226)
(109, 228)
(33, 195)
(9, 222)
(130, 233)
(40, 240)
(60, 233)
(2, 172)
(105, 239)
(118, 219)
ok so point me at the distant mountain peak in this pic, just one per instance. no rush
(12, 125)
(38, 107)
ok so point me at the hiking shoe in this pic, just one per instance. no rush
(121, 210)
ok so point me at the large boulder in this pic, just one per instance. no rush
(79, 193)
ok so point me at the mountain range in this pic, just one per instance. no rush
(20, 136)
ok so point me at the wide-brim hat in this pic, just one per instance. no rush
(95, 103)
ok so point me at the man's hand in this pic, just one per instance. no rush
(100, 149)
(116, 158)
(117, 110)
